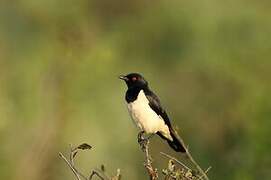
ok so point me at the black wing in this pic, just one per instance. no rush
(155, 104)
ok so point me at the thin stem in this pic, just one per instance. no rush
(207, 170)
(70, 166)
(191, 158)
(95, 173)
(70, 161)
(144, 144)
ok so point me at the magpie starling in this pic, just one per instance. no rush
(146, 111)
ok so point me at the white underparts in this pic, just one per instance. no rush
(145, 118)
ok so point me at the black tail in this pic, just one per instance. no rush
(175, 143)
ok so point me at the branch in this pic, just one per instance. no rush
(172, 172)
(203, 173)
(79, 176)
(144, 144)
(70, 166)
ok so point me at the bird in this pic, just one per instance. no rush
(147, 112)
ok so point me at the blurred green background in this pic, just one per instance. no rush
(209, 61)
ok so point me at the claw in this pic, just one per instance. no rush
(140, 137)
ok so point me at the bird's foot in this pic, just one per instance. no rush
(142, 137)
(142, 140)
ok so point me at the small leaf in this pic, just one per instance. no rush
(103, 168)
(84, 146)
(74, 154)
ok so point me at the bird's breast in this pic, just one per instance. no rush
(144, 117)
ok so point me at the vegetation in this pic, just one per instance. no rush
(209, 61)
(176, 170)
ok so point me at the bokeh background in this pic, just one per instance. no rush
(209, 61)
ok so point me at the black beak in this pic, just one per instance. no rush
(122, 77)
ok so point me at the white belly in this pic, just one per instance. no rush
(145, 118)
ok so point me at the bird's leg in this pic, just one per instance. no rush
(140, 137)
(142, 140)
(144, 144)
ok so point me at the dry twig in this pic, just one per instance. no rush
(182, 173)
(144, 144)
(203, 173)
(172, 172)
(79, 176)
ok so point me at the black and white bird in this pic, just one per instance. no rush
(146, 111)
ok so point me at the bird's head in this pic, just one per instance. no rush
(134, 80)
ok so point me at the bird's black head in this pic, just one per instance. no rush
(134, 80)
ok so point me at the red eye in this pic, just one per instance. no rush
(134, 78)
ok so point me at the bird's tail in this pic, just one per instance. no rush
(175, 143)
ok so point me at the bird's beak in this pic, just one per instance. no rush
(122, 77)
